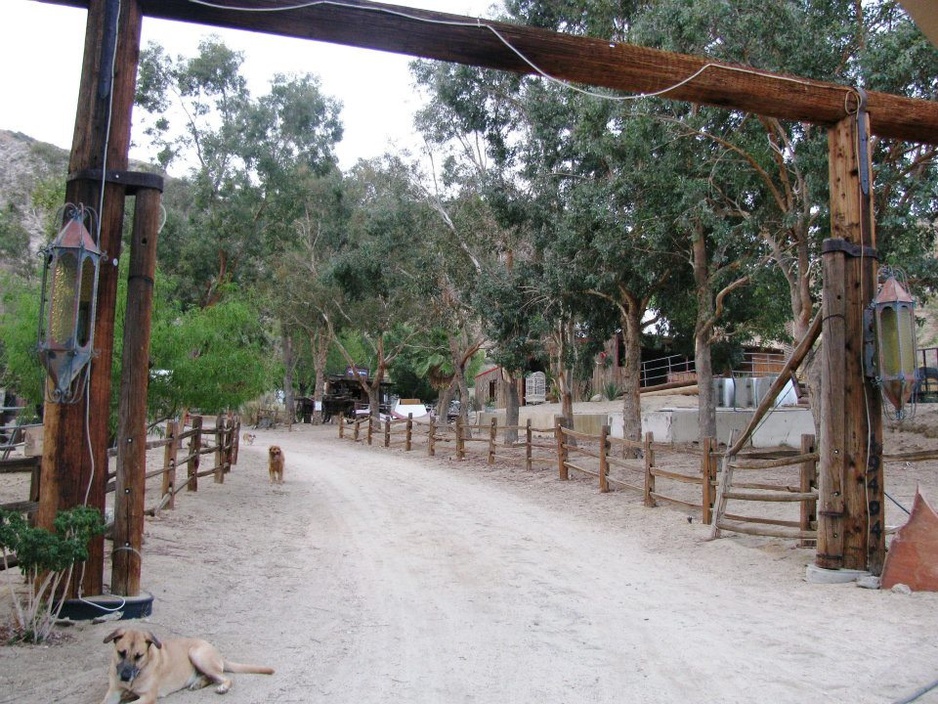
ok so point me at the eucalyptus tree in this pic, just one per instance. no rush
(298, 292)
(502, 134)
(380, 266)
(242, 156)
(894, 56)
(772, 176)
(764, 181)
(253, 167)
(612, 243)
(469, 125)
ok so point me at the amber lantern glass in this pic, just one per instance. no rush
(69, 291)
(894, 316)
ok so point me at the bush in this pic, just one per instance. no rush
(47, 560)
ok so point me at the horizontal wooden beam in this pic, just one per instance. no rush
(582, 60)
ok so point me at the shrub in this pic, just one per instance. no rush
(47, 560)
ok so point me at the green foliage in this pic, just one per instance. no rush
(46, 559)
(511, 321)
(426, 357)
(48, 195)
(253, 161)
(14, 242)
(212, 359)
(20, 369)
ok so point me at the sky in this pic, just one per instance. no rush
(41, 47)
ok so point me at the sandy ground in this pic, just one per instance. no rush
(373, 576)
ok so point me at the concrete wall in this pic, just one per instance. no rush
(782, 427)
(590, 423)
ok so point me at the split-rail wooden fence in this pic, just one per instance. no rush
(185, 446)
(531, 448)
(615, 462)
(763, 493)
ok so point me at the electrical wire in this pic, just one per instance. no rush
(483, 24)
(98, 232)
(101, 196)
(908, 513)
(863, 172)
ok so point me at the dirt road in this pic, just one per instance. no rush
(373, 577)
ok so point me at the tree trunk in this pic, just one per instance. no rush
(463, 387)
(512, 411)
(562, 337)
(706, 408)
(446, 396)
(288, 367)
(703, 330)
(631, 374)
(319, 342)
(566, 395)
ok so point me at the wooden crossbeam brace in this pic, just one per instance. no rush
(576, 59)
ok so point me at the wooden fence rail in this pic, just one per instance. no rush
(615, 462)
(409, 433)
(695, 478)
(773, 490)
(220, 441)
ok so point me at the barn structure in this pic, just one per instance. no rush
(850, 532)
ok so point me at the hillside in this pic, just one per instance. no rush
(24, 164)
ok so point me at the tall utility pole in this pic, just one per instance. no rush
(851, 531)
(75, 436)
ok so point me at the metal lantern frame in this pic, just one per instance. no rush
(71, 266)
(891, 346)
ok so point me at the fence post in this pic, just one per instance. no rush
(357, 425)
(169, 464)
(649, 471)
(235, 439)
(195, 454)
(387, 432)
(493, 430)
(561, 449)
(341, 426)
(410, 432)
(431, 438)
(603, 461)
(371, 427)
(220, 449)
(808, 483)
(528, 437)
(231, 443)
(708, 473)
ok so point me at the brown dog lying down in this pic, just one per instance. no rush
(145, 667)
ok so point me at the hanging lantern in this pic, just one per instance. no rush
(69, 306)
(893, 356)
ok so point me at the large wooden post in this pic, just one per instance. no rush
(75, 436)
(130, 485)
(850, 509)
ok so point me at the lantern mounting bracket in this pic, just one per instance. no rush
(836, 244)
(133, 181)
